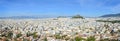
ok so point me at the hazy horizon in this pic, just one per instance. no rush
(87, 8)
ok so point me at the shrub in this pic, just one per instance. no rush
(25, 39)
(91, 38)
(107, 39)
(34, 35)
(3, 35)
(6, 39)
(113, 39)
(45, 39)
(63, 36)
(119, 30)
(79, 39)
(67, 38)
(57, 36)
(18, 35)
(28, 34)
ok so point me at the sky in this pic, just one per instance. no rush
(88, 8)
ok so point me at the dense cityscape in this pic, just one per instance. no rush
(76, 28)
(59, 20)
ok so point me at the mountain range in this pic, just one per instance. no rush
(26, 17)
(30, 17)
(111, 15)
(37, 17)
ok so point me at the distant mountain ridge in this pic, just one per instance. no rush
(29, 17)
(111, 15)
(25, 17)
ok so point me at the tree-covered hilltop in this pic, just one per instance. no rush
(78, 16)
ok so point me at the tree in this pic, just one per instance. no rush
(10, 34)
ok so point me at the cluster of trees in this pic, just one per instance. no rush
(78, 16)
(10, 36)
(114, 21)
